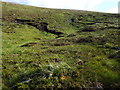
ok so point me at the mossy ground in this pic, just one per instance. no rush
(85, 56)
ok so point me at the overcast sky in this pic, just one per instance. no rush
(109, 6)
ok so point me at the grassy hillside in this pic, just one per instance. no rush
(51, 48)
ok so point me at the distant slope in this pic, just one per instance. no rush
(52, 48)
(57, 19)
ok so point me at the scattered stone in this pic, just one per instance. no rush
(98, 85)
(80, 62)
(27, 81)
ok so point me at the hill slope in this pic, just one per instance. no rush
(50, 48)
